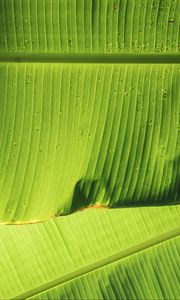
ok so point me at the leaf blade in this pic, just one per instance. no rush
(55, 248)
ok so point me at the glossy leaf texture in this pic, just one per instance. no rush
(129, 253)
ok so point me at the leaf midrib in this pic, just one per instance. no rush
(121, 58)
(102, 263)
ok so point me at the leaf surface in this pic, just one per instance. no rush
(89, 118)
(81, 126)
(75, 136)
(104, 254)
(109, 26)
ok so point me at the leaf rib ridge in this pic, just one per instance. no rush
(125, 58)
(102, 263)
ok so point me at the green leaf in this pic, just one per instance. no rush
(90, 134)
(79, 126)
(92, 26)
(89, 117)
(97, 254)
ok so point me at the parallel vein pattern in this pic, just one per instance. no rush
(130, 278)
(34, 257)
(81, 135)
(80, 26)
(74, 136)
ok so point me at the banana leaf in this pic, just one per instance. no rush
(89, 120)
(75, 136)
(128, 253)
(80, 126)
